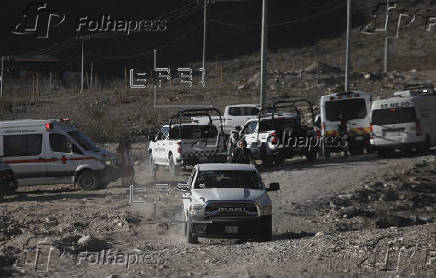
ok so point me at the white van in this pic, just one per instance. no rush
(54, 151)
(355, 106)
(405, 121)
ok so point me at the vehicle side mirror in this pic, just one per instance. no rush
(151, 138)
(184, 187)
(273, 187)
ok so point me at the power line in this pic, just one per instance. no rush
(279, 23)
(147, 52)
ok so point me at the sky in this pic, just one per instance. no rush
(174, 27)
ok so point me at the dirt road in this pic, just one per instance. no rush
(100, 234)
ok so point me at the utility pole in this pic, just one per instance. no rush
(263, 58)
(2, 79)
(385, 65)
(204, 33)
(83, 58)
(81, 74)
(347, 50)
(92, 77)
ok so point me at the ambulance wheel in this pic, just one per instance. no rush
(88, 180)
(174, 169)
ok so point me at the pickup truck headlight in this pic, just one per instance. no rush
(265, 210)
(196, 209)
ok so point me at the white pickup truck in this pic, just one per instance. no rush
(276, 137)
(227, 201)
(181, 144)
(234, 115)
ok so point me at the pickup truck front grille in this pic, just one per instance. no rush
(230, 209)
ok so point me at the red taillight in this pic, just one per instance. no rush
(418, 128)
(48, 126)
(274, 140)
(332, 98)
(179, 149)
(274, 134)
(371, 136)
(370, 128)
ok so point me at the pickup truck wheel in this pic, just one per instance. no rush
(325, 151)
(382, 153)
(311, 156)
(174, 169)
(88, 180)
(357, 150)
(152, 166)
(188, 232)
(425, 147)
(265, 233)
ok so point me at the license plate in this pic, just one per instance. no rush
(231, 229)
(359, 138)
(393, 133)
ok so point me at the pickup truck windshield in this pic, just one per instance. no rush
(351, 108)
(82, 140)
(277, 124)
(393, 116)
(228, 179)
(193, 132)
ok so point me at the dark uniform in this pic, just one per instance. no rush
(242, 156)
(343, 132)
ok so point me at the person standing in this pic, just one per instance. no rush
(343, 132)
(242, 154)
(126, 165)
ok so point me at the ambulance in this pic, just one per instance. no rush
(54, 152)
(406, 121)
(356, 107)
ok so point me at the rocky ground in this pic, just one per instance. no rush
(362, 216)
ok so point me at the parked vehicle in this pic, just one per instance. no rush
(234, 115)
(181, 144)
(8, 182)
(355, 106)
(54, 151)
(405, 121)
(274, 137)
(228, 201)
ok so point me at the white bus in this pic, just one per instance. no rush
(355, 107)
(405, 121)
